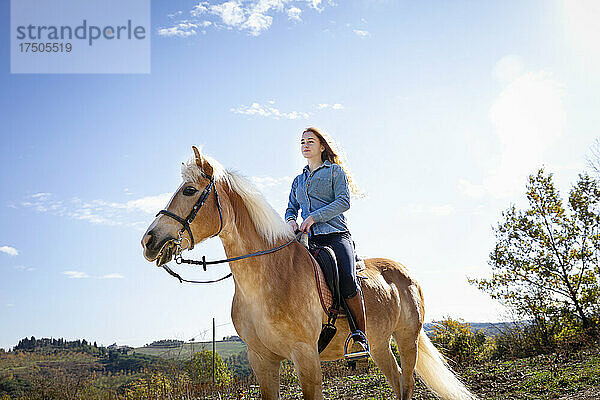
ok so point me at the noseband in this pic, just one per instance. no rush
(190, 217)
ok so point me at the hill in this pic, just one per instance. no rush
(489, 328)
(184, 351)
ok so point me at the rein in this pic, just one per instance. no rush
(186, 227)
(204, 263)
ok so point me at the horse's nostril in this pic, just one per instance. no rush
(146, 240)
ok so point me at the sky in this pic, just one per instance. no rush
(442, 109)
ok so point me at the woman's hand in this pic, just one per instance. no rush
(307, 223)
(294, 225)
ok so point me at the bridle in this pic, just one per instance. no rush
(185, 223)
(185, 226)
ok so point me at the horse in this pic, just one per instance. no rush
(276, 308)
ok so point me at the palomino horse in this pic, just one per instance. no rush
(276, 308)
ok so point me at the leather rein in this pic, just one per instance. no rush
(185, 226)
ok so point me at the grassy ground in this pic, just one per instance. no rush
(547, 377)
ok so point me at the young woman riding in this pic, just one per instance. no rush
(322, 191)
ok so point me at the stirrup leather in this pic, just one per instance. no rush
(359, 354)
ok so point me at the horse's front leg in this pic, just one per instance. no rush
(308, 367)
(266, 370)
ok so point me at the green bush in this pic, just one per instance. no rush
(458, 342)
(200, 368)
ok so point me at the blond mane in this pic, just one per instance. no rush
(267, 222)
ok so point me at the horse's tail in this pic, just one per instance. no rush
(433, 369)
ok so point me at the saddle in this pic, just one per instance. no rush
(327, 280)
(327, 276)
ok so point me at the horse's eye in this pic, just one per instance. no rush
(190, 191)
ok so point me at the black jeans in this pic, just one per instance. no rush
(341, 243)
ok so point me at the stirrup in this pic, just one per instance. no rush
(358, 334)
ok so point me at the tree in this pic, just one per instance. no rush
(545, 261)
(200, 368)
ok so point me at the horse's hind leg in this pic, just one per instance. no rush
(407, 347)
(308, 367)
(267, 374)
(386, 362)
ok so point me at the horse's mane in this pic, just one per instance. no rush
(267, 222)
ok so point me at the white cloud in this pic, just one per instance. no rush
(268, 111)
(336, 106)
(148, 204)
(263, 182)
(10, 305)
(361, 33)
(101, 212)
(11, 251)
(230, 12)
(40, 196)
(182, 29)
(85, 275)
(24, 268)
(200, 8)
(76, 274)
(263, 6)
(315, 4)
(294, 14)
(251, 16)
(113, 276)
(257, 23)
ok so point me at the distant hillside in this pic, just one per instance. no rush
(489, 328)
(174, 349)
(184, 351)
(35, 363)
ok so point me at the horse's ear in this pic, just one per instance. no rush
(197, 156)
(202, 162)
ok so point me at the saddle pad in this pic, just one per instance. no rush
(324, 293)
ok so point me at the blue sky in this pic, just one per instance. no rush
(442, 108)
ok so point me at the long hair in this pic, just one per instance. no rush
(334, 155)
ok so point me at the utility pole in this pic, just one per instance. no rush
(213, 368)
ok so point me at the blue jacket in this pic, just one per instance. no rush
(324, 194)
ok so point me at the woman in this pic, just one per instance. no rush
(322, 191)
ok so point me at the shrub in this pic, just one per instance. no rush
(458, 342)
(200, 368)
